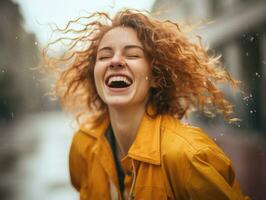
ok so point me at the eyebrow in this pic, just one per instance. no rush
(126, 47)
(134, 46)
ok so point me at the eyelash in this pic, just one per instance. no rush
(133, 56)
(102, 58)
(129, 56)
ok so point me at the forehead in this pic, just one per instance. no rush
(120, 36)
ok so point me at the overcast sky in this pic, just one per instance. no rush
(39, 13)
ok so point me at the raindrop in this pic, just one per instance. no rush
(251, 111)
(245, 98)
(246, 53)
(214, 139)
(16, 37)
(251, 39)
(250, 95)
(264, 62)
(3, 71)
(36, 43)
(222, 134)
(12, 115)
(238, 125)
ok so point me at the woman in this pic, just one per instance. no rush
(136, 78)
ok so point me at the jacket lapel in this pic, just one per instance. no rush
(103, 152)
(146, 146)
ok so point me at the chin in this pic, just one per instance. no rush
(117, 102)
(118, 105)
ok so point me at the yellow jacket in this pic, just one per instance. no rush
(167, 160)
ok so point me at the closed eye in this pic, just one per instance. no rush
(104, 57)
(133, 56)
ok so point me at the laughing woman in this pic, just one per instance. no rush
(130, 86)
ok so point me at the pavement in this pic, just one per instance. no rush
(34, 158)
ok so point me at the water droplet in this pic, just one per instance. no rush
(36, 43)
(3, 71)
(214, 139)
(222, 134)
(250, 95)
(12, 115)
(264, 62)
(251, 111)
(16, 37)
(251, 39)
(238, 125)
(246, 98)
(246, 53)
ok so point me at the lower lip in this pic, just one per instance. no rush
(118, 90)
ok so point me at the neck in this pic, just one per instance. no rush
(125, 123)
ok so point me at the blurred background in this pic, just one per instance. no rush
(35, 134)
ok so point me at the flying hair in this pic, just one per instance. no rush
(185, 76)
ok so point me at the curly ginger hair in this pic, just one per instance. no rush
(186, 77)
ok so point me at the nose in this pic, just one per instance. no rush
(117, 62)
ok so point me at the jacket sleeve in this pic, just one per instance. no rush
(76, 163)
(211, 176)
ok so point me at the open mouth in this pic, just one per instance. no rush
(118, 81)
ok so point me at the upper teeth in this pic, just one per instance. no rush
(118, 78)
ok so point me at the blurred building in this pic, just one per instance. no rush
(21, 90)
(237, 30)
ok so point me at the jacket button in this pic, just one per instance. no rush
(132, 196)
(129, 173)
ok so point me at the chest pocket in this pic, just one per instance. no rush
(149, 183)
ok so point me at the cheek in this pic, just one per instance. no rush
(95, 71)
(98, 71)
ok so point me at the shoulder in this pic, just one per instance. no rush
(177, 136)
(182, 143)
(88, 135)
(194, 163)
(77, 157)
(82, 141)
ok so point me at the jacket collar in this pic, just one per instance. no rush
(146, 146)
(96, 131)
